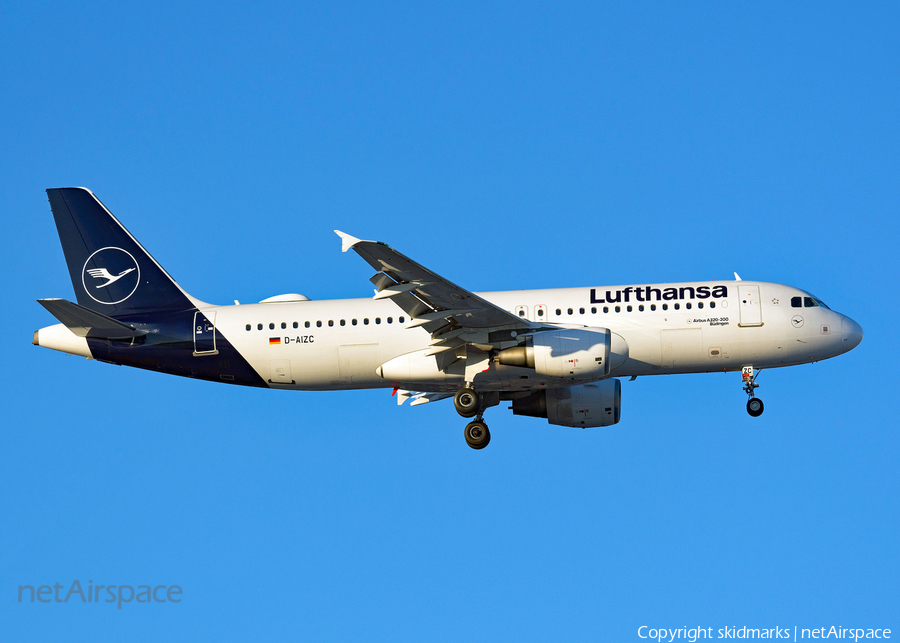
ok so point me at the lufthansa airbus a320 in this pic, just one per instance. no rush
(554, 354)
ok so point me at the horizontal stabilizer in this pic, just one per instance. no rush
(85, 322)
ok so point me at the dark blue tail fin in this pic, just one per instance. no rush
(111, 272)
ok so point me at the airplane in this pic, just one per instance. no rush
(556, 354)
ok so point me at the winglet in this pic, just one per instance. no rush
(347, 241)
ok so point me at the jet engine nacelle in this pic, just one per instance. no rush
(583, 406)
(576, 353)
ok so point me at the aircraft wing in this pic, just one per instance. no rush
(435, 303)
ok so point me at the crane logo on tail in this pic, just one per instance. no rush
(103, 273)
(110, 275)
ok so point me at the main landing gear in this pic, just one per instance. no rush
(469, 404)
(477, 434)
(755, 405)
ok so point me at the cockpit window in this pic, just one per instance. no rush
(807, 302)
(813, 302)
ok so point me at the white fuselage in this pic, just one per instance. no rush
(339, 344)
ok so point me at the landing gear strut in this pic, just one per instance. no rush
(470, 403)
(755, 405)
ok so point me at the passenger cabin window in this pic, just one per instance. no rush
(343, 322)
(296, 325)
(677, 306)
(540, 313)
(521, 313)
(248, 326)
(618, 309)
(558, 312)
(259, 327)
(629, 308)
(331, 322)
(283, 325)
(306, 324)
(271, 326)
(652, 306)
(688, 305)
(581, 311)
(401, 319)
(318, 324)
(606, 309)
(354, 322)
(594, 310)
(641, 308)
(712, 304)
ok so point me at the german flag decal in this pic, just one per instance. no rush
(274, 341)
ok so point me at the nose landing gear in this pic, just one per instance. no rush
(755, 405)
(469, 404)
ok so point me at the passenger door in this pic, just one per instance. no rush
(204, 334)
(751, 310)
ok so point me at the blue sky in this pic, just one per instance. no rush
(505, 146)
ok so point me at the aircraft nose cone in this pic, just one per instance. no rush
(852, 332)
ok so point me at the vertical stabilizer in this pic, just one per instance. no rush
(111, 272)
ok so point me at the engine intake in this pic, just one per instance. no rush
(583, 406)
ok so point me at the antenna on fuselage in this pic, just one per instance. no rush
(737, 277)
